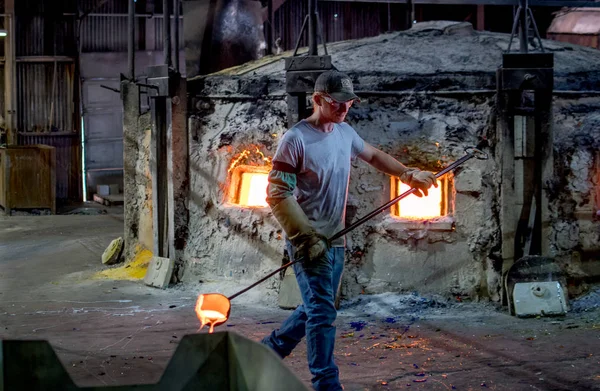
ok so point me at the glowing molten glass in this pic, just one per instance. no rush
(212, 310)
(413, 207)
(253, 189)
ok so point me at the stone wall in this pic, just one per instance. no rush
(442, 255)
(576, 187)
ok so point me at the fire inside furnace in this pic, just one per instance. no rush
(253, 189)
(419, 208)
(249, 178)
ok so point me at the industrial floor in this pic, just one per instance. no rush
(116, 332)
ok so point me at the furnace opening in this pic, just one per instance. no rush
(436, 204)
(248, 186)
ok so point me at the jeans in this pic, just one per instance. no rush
(318, 282)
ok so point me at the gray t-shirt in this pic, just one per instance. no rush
(323, 162)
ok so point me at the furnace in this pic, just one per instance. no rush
(432, 91)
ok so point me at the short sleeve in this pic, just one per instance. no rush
(358, 144)
(289, 151)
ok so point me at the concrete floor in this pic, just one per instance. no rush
(109, 332)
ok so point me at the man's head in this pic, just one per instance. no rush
(334, 94)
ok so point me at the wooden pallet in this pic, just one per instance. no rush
(109, 200)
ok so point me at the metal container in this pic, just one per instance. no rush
(27, 177)
(223, 361)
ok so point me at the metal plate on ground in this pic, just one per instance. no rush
(159, 272)
(539, 298)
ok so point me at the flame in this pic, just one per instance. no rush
(263, 157)
(414, 207)
(253, 189)
(245, 154)
(242, 155)
(208, 317)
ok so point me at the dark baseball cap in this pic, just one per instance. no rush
(337, 85)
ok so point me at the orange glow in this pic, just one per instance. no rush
(241, 156)
(249, 178)
(413, 207)
(245, 154)
(212, 310)
(253, 189)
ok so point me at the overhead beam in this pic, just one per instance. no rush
(533, 3)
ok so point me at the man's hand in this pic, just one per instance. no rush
(311, 247)
(420, 180)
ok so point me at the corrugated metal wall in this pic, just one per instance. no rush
(45, 85)
(45, 97)
(68, 171)
(340, 21)
(43, 29)
(2, 81)
(104, 34)
(158, 25)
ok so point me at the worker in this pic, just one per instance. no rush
(307, 193)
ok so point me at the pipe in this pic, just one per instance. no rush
(116, 15)
(131, 40)
(176, 6)
(167, 32)
(474, 153)
(313, 49)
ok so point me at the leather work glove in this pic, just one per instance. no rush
(313, 247)
(421, 180)
(308, 243)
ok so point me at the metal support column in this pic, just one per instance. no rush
(131, 40)
(169, 160)
(167, 32)
(270, 33)
(524, 102)
(523, 26)
(302, 71)
(313, 49)
(176, 8)
(10, 73)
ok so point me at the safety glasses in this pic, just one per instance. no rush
(335, 104)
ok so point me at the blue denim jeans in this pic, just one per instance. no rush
(318, 282)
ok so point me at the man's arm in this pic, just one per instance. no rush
(309, 244)
(422, 180)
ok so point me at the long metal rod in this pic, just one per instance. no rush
(321, 35)
(513, 31)
(359, 222)
(167, 32)
(131, 40)
(176, 6)
(300, 35)
(535, 30)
